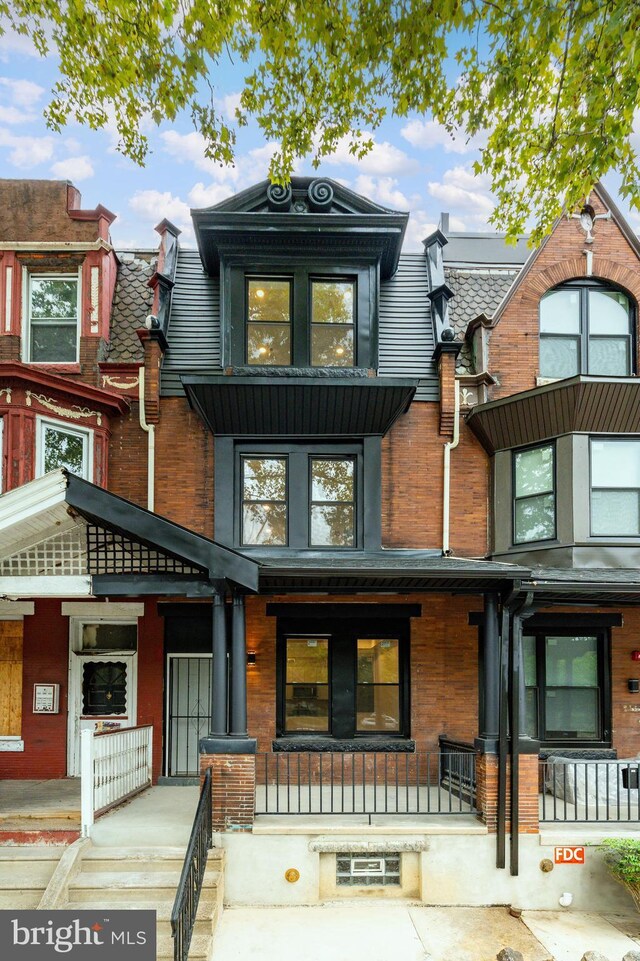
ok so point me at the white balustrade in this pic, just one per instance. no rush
(114, 765)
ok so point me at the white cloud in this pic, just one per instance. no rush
(419, 227)
(189, 148)
(21, 93)
(201, 196)
(383, 191)
(429, 135)
(154, 205)
(73, 168)
(26, 152)
(229, 105)
(13, 115)
(382, 160)
(461, 193)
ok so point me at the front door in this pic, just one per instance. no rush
(102, 682)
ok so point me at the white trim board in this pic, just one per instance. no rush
(102, 609)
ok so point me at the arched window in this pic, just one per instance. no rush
(586, 328)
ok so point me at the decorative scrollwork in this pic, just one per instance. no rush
(320, 195)
(108, 381)
(75, 412)
(7, 391)
(279, 197)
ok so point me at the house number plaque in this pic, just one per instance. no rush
(46, 698)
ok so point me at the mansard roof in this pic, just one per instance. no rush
(307, 214)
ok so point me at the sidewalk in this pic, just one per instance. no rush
(380, 931)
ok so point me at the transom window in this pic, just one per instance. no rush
(304, 498)
(53, 311)
(317, 691)
(615, 487)
(62, 446)
(534, 499)
(564, 685)
(585, 329)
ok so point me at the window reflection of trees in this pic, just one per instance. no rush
(62, 449)
(264, 514)
(332, 502)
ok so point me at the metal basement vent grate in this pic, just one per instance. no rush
(375, 868)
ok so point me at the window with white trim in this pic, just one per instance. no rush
(62, 446)
(52, 313)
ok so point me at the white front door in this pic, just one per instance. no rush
(102, 690)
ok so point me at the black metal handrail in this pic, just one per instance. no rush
(457, 774)
(185, 906)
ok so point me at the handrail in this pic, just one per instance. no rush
(185, 906)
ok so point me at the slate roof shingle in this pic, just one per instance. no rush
(476, 291)
(132, 302)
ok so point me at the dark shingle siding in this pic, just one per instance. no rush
(406, 329)
(194, 327)
(132, 302)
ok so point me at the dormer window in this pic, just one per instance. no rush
(332, 323)
(300, 321)
(585, 328)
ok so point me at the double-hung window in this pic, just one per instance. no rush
(52, 318)
(61, 446)
(615, 487)
(586, 328)
(302, 497)
(534, 499)
(565, 686)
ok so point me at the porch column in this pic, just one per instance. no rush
(490, 720)
(218, 723)
(238, 669)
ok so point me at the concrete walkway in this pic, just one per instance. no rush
(380, 931)
(160, 816)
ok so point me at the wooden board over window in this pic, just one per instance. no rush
(11, 678)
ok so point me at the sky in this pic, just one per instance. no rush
(414, 165)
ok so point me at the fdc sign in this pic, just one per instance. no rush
(569, 855)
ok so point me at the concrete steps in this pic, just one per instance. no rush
(147, 879)
(25, 872)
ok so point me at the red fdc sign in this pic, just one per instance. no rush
(569, 855)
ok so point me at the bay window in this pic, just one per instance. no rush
(534, 499)
(61, 446)
(615, 487)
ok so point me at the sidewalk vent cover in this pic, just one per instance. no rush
(374, 868)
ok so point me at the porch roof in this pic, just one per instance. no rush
(585, 586)
(385, 570)
(62, 535)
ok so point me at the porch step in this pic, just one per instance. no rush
(147, 879)
(25, 872)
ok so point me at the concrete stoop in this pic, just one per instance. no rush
(25, 872)
(147, 878)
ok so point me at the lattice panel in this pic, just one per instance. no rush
(111, 553)
(64, 553)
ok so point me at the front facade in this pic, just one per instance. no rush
(306, 504)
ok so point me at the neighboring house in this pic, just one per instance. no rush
(363, 512)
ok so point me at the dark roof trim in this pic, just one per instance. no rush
(583, 404)
(115, 513)
(314, 610)
(134, 585)
(298, 406)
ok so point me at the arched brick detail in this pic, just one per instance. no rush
(603, 269)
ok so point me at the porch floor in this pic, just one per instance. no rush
(40, 805)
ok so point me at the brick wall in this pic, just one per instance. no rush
(233, 789)
(38, 210)
(487, 792)
(514, 344)
(412, 483)
(46, 660)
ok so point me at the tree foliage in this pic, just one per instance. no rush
(622, 857)
(551, 86)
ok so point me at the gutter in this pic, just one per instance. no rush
(151, 444)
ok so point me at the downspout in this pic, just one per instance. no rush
(151, 444)
(448, 447)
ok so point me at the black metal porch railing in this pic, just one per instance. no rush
(581, 791)
(365, 783)
(185, 906)
(456, 772)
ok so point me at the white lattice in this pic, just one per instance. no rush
(64, 553)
